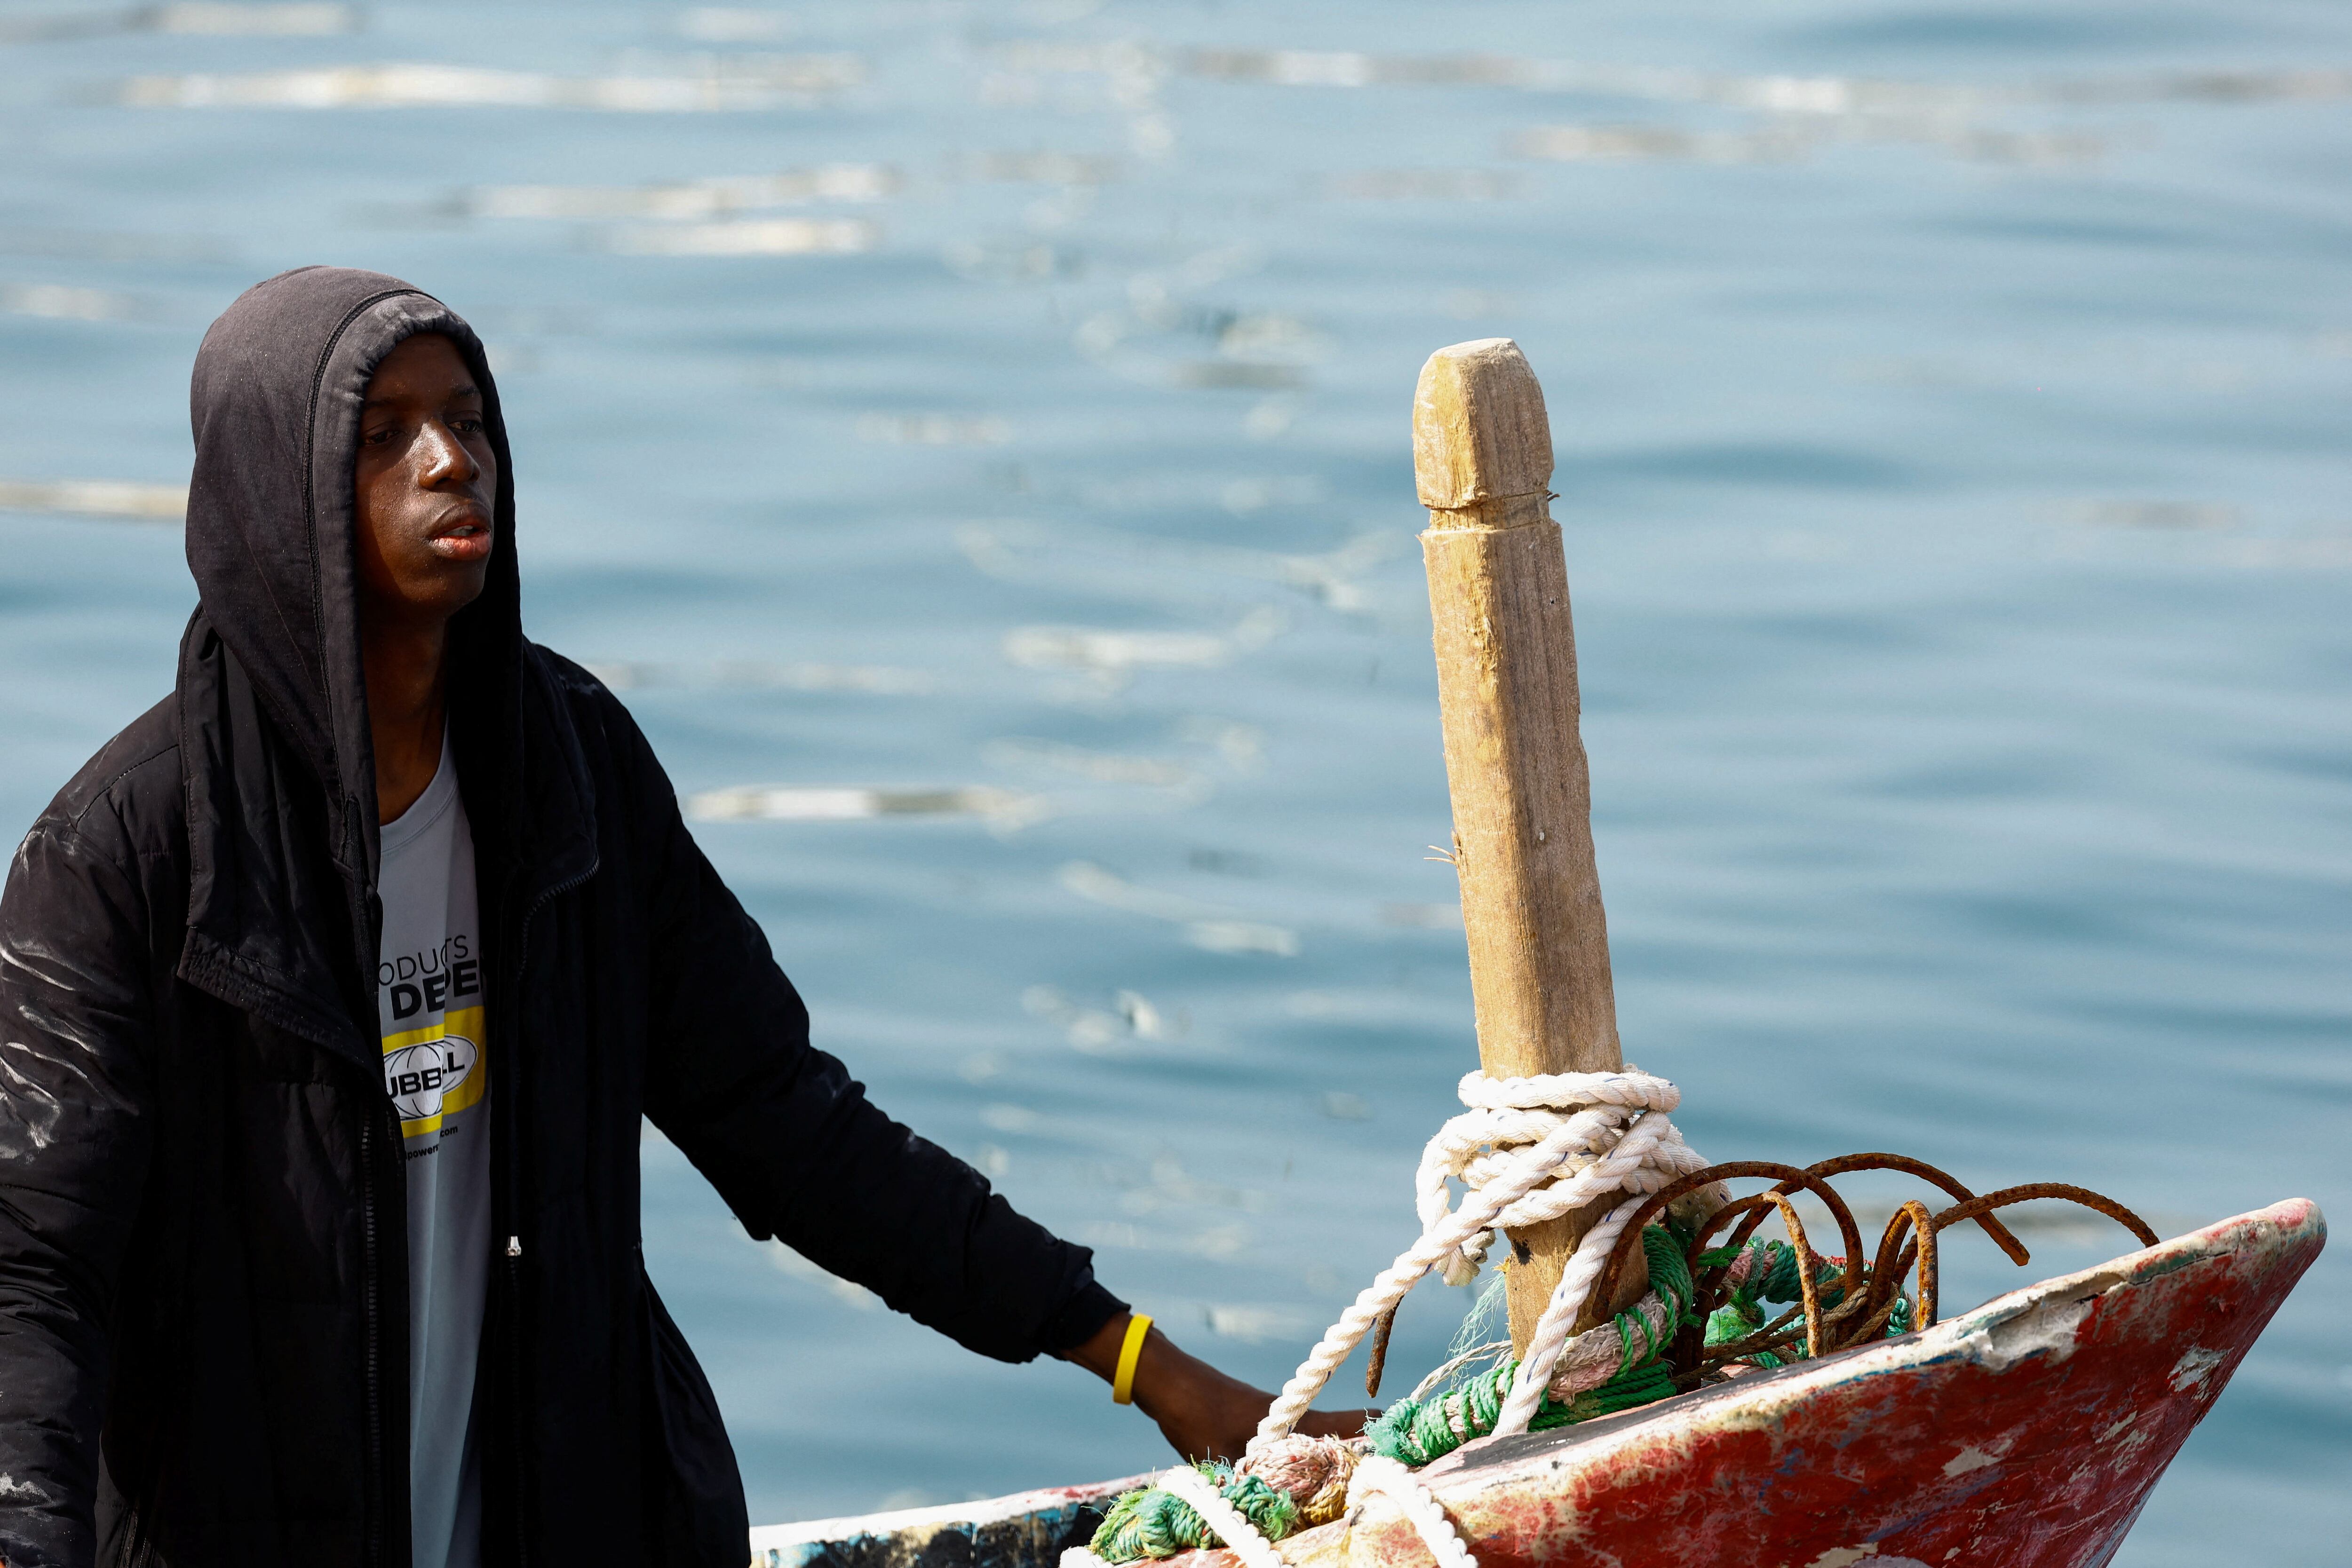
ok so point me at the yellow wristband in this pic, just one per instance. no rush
(1130, 1351)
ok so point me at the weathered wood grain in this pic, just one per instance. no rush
(1505, 646)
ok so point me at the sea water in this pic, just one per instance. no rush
(973, 439)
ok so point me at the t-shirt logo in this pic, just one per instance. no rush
(421, 1078)
(434, 1072)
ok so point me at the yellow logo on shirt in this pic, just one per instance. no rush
(435, 1071)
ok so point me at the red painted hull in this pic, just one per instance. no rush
(2025, 1434)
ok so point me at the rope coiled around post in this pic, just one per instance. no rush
(1525, 1150)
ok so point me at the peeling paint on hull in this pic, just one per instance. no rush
(2027, 1433)
(1027, 1530)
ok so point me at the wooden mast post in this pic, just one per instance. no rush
(1514, 759)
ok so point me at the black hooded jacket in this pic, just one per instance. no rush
(204, 1328)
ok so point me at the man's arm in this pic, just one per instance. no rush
(794, 1147)
(75, 1026)
(798, 1152)
(1203, 1413)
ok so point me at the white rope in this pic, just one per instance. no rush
(1559, 1313)
(1593, 1358)
(1505, 1116)
(1527, 1150)
(1374, 1473)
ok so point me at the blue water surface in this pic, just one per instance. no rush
(972, 438)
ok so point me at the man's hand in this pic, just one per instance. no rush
(1203, 1414)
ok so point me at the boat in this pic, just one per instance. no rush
(1858, 1425)
(2025, 1434)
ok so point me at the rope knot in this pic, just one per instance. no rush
(1541, 1134)
(1312, 1472)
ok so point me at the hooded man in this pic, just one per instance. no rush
(332, 992)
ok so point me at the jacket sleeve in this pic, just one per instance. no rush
(76, 1020)
(796, 1149)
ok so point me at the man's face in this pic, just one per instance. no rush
(423, 485)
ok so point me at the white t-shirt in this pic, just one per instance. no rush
(436, 1068)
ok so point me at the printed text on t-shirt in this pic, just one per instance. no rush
(428, 981)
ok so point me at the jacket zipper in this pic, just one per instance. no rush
(522, 1468)
(378, 1500)
(522, 1454)
(368, 1287)
(371, 1291)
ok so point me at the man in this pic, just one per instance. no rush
(331, 994)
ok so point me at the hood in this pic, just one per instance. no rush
(275, 403)
(276, 758)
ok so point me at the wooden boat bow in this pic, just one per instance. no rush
(2027, 1433)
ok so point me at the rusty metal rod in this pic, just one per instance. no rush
(2082, 1195)
(1993, 1228)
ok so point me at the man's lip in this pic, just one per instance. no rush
(464, 535)
(461, 546)
(463, 518)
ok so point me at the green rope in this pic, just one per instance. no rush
(1670, 1273)
(1416, 1432)
(1149, 1523)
